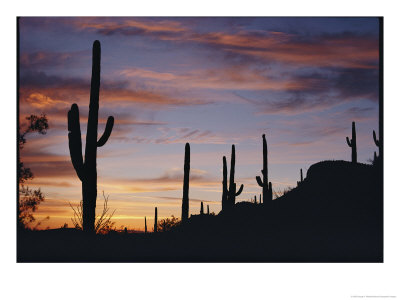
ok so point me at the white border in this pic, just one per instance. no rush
(199, 281)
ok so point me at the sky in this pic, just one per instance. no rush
(211, 82)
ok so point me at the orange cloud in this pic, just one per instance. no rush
(342, 49)
(229, 78)
(130, 26)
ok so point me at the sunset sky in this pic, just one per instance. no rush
(212, 82)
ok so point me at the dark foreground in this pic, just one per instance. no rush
(335, 215)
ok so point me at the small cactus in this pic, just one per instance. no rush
(266, 186)
(301, 177)
(353, 143)
(232, 193)
(155, 220)
(201, 208)
(378, 143)
(208, 209)
(145, 225)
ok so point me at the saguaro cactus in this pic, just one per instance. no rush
(378, 143)
(145, 225)
(232, 193)
(270, 194)
(155, 220)
(224, 185)
(185, 197)
(201, 208)
(87, 171)
(353, 143)
(301, 177)
(266, 186)
(260, 199)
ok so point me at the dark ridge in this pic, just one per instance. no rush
(335, 215)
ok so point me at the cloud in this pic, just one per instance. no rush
(46, 59)
(319, 90)
(179, 136)
(344, 49)
(179, 200)
(223, 78)
(39, 87)
(170, 180)
(132, 26)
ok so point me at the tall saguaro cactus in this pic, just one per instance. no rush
(86, 170)
(353, 143)
(155, 220)
(266, 186)
(224, 185)
(232, 193)
(185, 197)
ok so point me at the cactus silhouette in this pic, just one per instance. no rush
(224, 185)
(270, 194)
(232, 193)
(301, 177)
(201, 208)
(185, 197)
(266, 186)
(260, 199)
(378, 143)
(155, 220)
(353, 143)
(145, 225)
(86, 170)
(208, 209)
(255, 199)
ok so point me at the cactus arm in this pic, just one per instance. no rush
(74, 140)
(377, 143)
(348, 141)
(239, 191)
(107, 132)
(260, 183)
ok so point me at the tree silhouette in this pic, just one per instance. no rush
(28, 199)
(167, 224)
